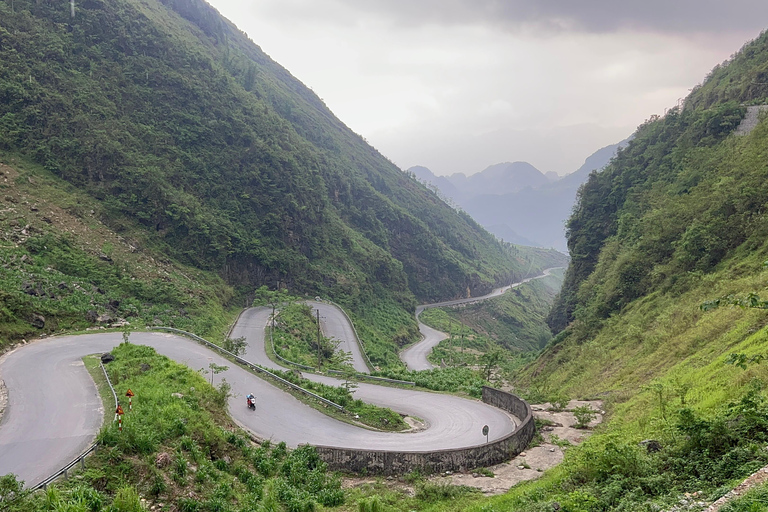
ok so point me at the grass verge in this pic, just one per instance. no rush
(179, 451)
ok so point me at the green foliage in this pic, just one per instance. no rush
(742, 360)
(485, 472)
(479, 335)
(263, 296)
(434, 492)
(752, 301)
(515, 320)
(754, 500)
(584, 414)
(579, 501)
(53, 282)
(372, 504)
(559, 402)
(127, 500)
(172, 448)
(296, 338)
(236, 346)
(190, 139)
(465, 380)
(12, 493)
(662, 207)
(378, 417)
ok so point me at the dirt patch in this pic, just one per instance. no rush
(416, 425)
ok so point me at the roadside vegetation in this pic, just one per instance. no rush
(296, 337)
(62, 269)
(179, 449)
(370, 415)
(488, 342)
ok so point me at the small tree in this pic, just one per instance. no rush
(236, 346)
(584, 415)
(11, 489)
(491, 361)
(216, 369)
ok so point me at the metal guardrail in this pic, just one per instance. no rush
(281, 358)
(336, 372)
(250, 365)
(357, 337)
(80, 459)
(65, 470)
(114, 394)
(372, 377)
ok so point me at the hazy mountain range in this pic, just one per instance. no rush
(517, 202)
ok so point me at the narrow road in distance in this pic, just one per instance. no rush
(415, 356)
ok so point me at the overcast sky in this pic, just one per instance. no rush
(458, 85)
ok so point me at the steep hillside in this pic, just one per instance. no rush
(179, 126)
(515, 320)
(676, 220)
(62, 268)
(663, 312)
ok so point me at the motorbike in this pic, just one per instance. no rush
(251, 402)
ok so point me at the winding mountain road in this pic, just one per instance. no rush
(335, 325)
(415, 356)
(54, 410)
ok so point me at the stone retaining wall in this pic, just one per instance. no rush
(458, 459)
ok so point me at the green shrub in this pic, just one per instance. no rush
(127, 500)
(432, 492)
(584, 414)
(189, 505)
(371, 504)
(579, 501)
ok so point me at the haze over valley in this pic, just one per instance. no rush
(517, 202)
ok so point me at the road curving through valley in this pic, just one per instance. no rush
(415, 356)
(54, 411)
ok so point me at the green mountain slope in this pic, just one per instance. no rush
(185, 135)
(676, 220)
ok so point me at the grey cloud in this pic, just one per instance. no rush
(596, 16)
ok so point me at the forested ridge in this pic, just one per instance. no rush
(671, 202)
(662, 314)
(191, 139)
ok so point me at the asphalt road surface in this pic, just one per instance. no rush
(54, 410)
(415, 356)
(334, 325)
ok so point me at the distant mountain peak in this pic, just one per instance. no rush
(517, 202)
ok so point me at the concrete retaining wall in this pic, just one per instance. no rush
(459, 459)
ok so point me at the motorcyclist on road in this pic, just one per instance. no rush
(250, 400)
